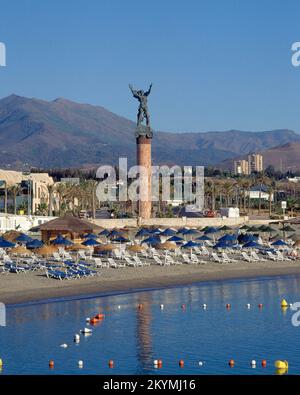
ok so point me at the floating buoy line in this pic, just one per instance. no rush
(280, 365)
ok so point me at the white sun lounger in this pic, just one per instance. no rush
(114, 264)
(273, 257)
(246, 257)
(282, 257)
(56, 256)
(216, 258)
(129, 261)
(158, 260)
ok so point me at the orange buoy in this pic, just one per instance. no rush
(228, 306)
(181, 363)
(263, 363)
(111, 363)
(260, 306)
(99, 316)
(93, 321)
(231, 363)
(159, 363)
(51, 364)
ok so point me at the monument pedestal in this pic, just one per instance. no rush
(143, 140)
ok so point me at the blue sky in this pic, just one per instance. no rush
(215, 65)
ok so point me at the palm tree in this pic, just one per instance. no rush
(245, 184)
(42, 209)
(60, 190)
(262, 180)
(15, 190)
(210, 191)
(227, 190)
(88, 192)
(51, 189)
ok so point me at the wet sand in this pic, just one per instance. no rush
(35, 286)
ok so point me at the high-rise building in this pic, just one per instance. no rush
(241, 167)
(255, 163)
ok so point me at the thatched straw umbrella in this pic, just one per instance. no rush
(168, 245)
(135, 248)
(11, 235)
(297, 244)
(46, 250)
(20, 250)
(77, 247)
(105, 248)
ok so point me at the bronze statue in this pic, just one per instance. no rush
(143, 108)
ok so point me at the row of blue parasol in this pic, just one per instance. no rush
(153, 237)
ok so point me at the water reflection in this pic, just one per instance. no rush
(143, 332)
(134, 337)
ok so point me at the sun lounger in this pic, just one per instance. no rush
(57, 274)
(81, 255)
(158, 260)
(98, 262)
(56, 256)
(130, 262)
(246, 257)
(194, 258)
(114, 264)
(216, 258)
(172, 261)
(186, 259)
(281, 257)
(256, 258)
(139, 262)
(198, 251)
(226, 258)
(273, 257)
(204, 250)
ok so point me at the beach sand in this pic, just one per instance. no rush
(35, 286)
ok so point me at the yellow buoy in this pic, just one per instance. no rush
(284, 303)
(281, 364)
(281, 371)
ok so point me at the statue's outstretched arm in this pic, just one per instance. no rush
(134, 92)
(149, 90)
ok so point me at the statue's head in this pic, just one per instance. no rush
(141, 92)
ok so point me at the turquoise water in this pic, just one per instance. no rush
(134, 337)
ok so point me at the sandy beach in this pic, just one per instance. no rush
(35, 286)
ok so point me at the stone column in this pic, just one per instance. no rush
(144, 160)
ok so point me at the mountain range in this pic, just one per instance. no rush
(62, 133)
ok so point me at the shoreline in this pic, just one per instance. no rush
(34, 288)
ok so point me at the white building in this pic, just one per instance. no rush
(21, 223)
(257, 192)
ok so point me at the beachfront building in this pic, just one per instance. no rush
(295, 179)
(30, 190)
(22, 223)
(68, 226)
(241, 167)
(258, 191)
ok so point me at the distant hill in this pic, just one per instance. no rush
(62, 133)
(284, 157)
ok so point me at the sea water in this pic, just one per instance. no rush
(134, 336)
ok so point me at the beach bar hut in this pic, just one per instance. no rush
(68, 226)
